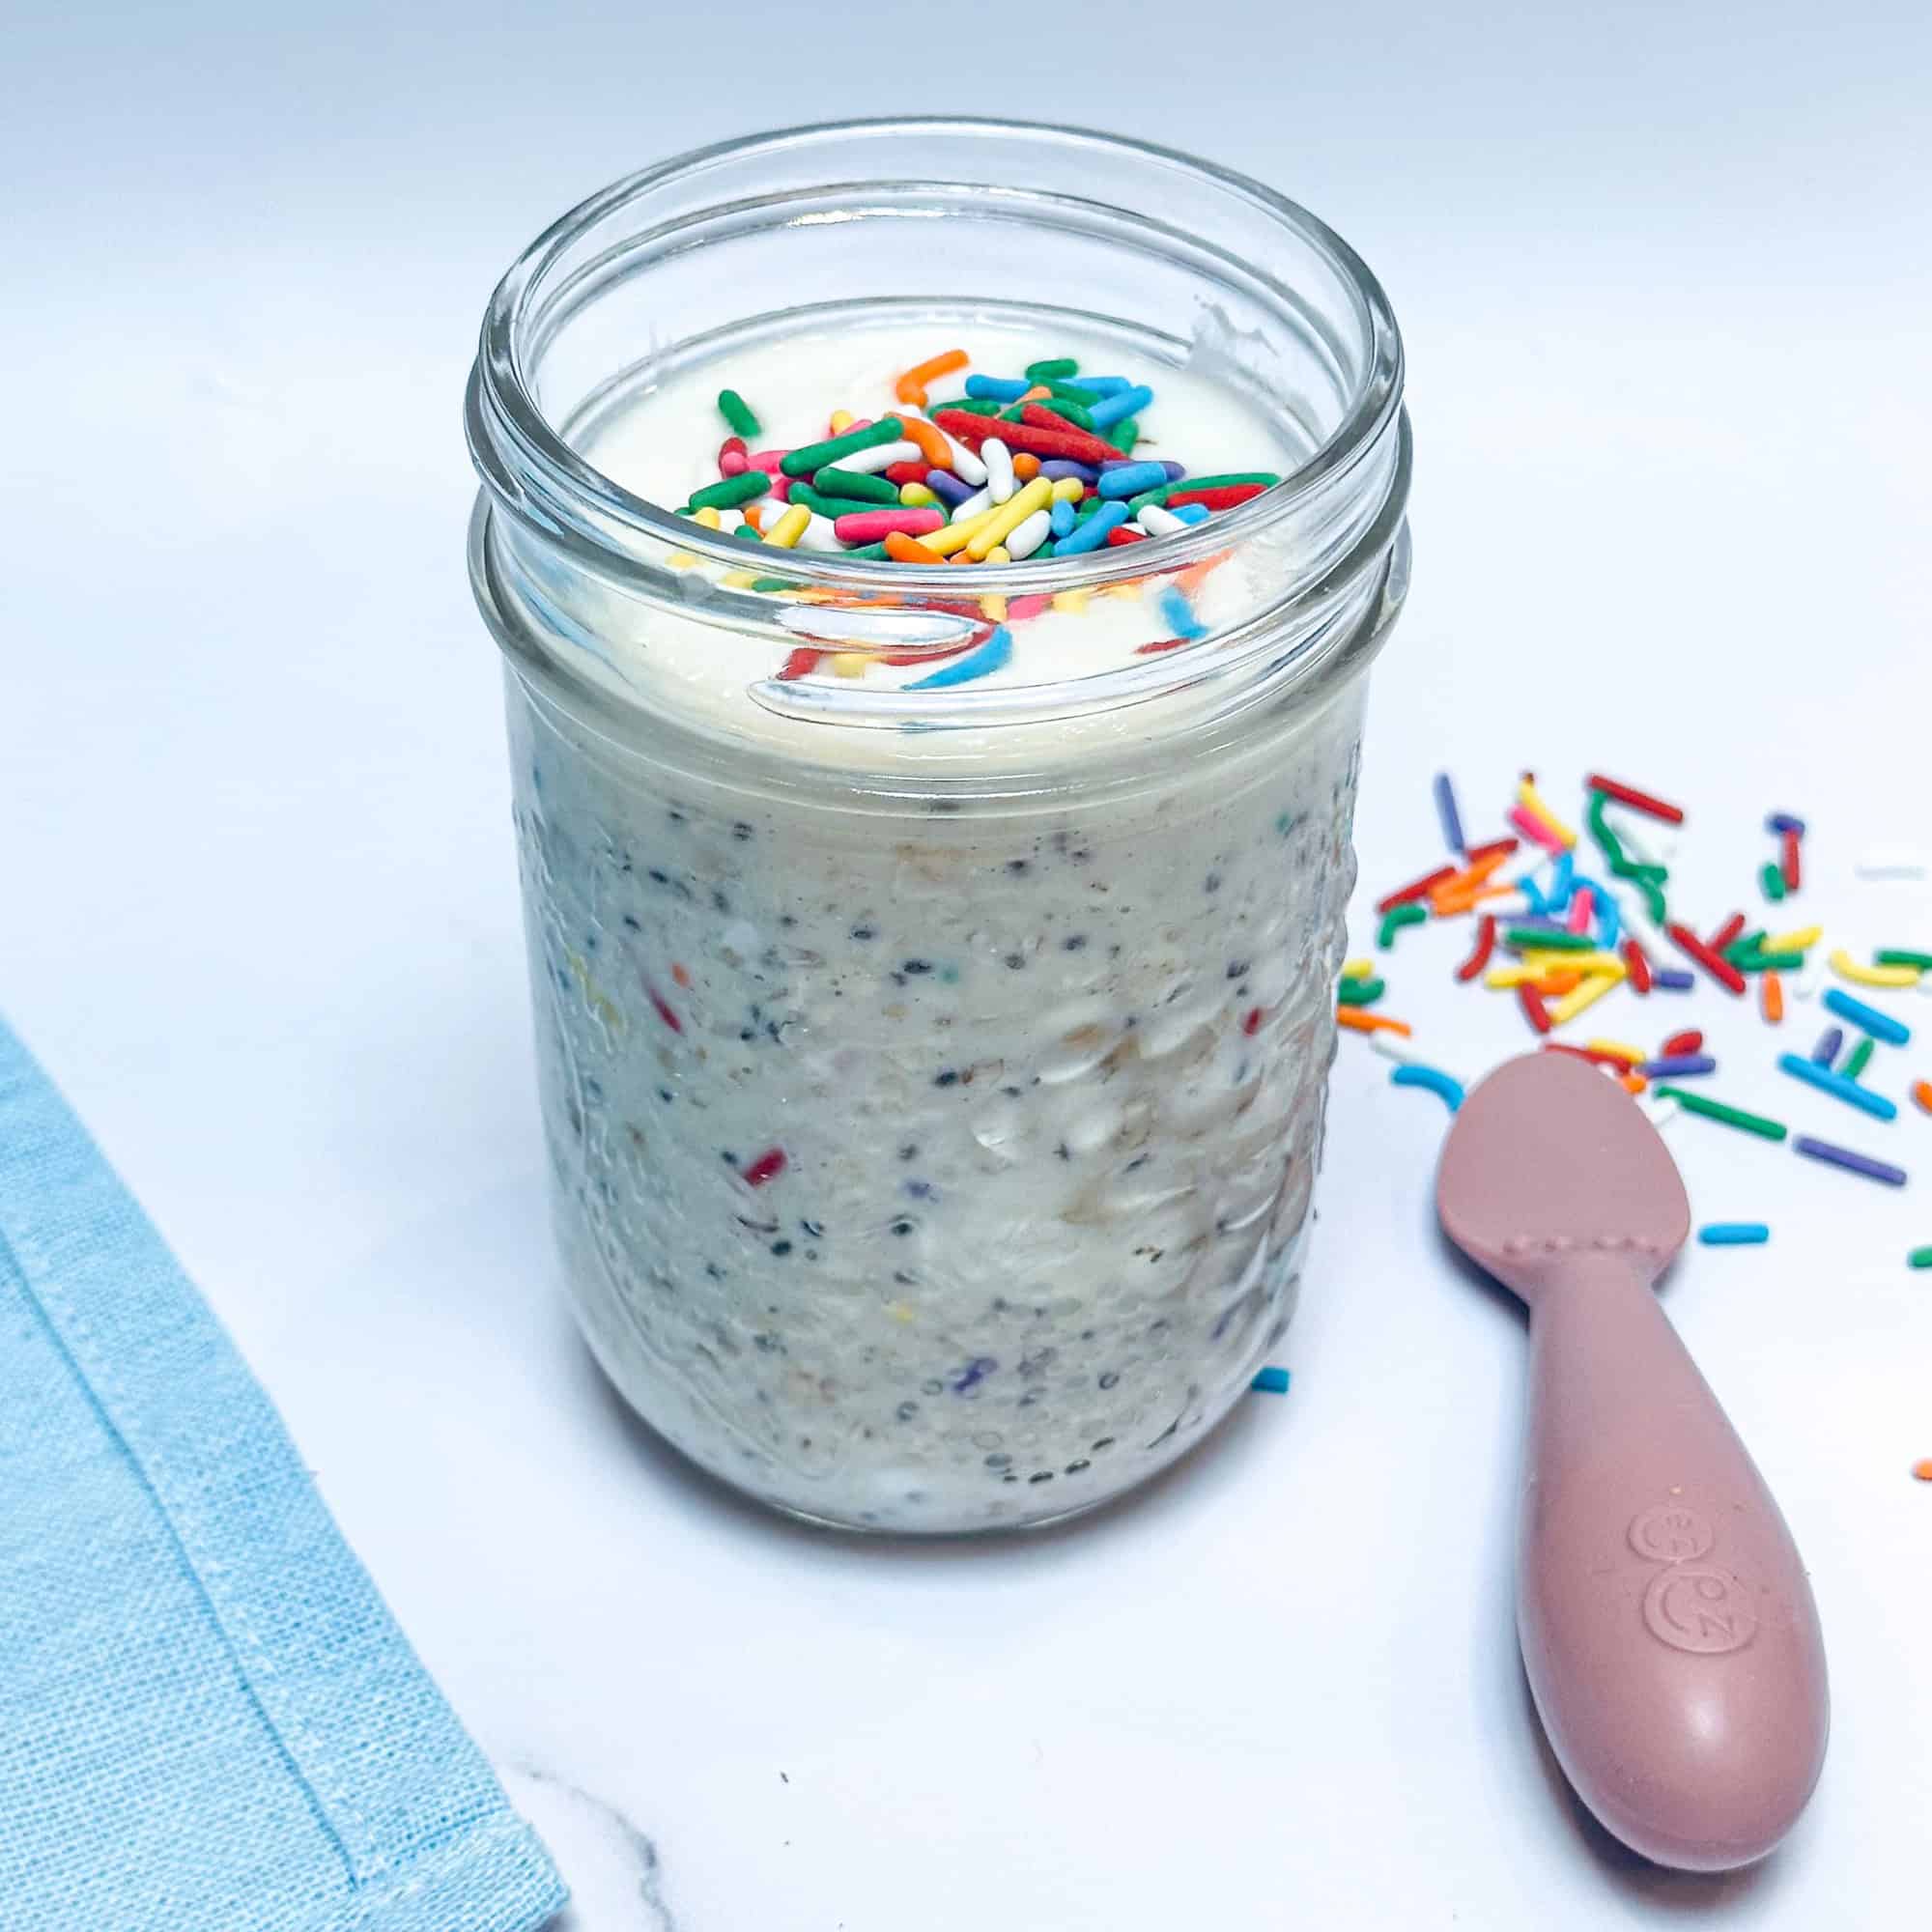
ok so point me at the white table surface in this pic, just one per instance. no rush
(1663, 277)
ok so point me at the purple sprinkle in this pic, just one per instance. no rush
(1678, 1066)
(1782, 821)
(1672, 979)
(1065, 465)
(1855, 1163)
(1829, 1044)
(947, 486)
(1445, 811)
(1175, 470)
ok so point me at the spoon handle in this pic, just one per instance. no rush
(1667, 1628)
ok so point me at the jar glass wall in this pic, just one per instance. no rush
(933, 1080)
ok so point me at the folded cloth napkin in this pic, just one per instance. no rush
(208, 1721)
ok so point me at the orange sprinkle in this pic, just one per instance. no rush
(1196, 574)
(1367, 1022)
(911, 386)
(1771, 994)
(1554, 984)
(753, 516)
(680, 975)
(1923, 1469)
(1446, 905)
(933, 447)
(1026, 466)
(1038, 394)
(1634, 1083)
(1921, 1091)
(903, 549)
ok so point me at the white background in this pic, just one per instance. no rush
(1662, 273)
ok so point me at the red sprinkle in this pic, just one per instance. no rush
(1065, 440)
(1788, 862)
(1416, 889)
(1118, 537)
(1485, 944)
(1222, 496)
(1690, 1040)
(768, 1166)
(907, 473)
(1637, 800)
(1732, 929)
(1251, 1020)
(1154, 650)
(1533, 1009)
(1713, 962)
(1499, 847)
(801, 663)
(1638, 963)
(933, 657)
(663, 1006)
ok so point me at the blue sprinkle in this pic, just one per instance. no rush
(1734, 1234)
(1432, 1077)
(1119, 405)
(1562, 882)
(947, 486)
(991, 655)
(1610, 921)
(1093, 533)
(1672, 979)
(1677, 1067)
(1829, 1044)
(1130, 479)
(1102, 385)
(1178, 614)
(1270, 1381)
(1061, 518)
(1838, 1086)
(1881, 1026)
(1192, 513)
(1446, 812)
(1782, 821)
(1527, 887)
(997, 388)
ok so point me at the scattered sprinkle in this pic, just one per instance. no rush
(1734, 1234)
(1851, 1162)
(1415, 1074)
(1270, 1381)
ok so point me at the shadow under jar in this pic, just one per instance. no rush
(934, 1078)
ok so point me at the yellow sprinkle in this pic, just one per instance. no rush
(1531, 800)
(708, 517)
(680, 559)
(916, 495)
(1632, 1053)
(998, 554)
(789, 528)
(605, 1011)
(1358, 968)
(993, 609)
(1546, 959)
(1068, 490)
(1587, 994)
(850, 663)
(956, 535)
(900, 1311)
(739, 579)
(1793, 941)
(1072, 600)
(1009, 516)
(1501, 976)
(1848, 968)
(841, 421)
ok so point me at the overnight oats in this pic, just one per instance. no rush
(937, 597)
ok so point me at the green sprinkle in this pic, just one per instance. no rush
(1920, 1258)
(1051, 368)
(1157, 494)
(1754, 961)
(832, 481)
(815, 456)
(1072, 411)
(1232, 479)
(1745, 943)
(737, 412)
(775, 583)
(830, 506)
(1533, 938)
(877, 550)
(1013, 412)
(1898, 955)
(1395, 919)
(1772, 879)
(1360, 992)
(1648, 879)
(1716, 1110)
(1124, 435)
(974, 406)
(1072, 392)
(1860, 1059)
(732, 490)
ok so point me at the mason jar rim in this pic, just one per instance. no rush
(521, 454)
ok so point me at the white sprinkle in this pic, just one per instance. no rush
(1892, 862)
(964, 465)
(881, 456)
(818, 535)
(1160, 523)
(1027, 537)
(980, 499)
(1660, 1108)
(999, 462)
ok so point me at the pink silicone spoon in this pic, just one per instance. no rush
(1667, 1629)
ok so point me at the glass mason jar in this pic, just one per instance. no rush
(933, 1082)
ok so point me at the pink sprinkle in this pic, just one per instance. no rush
(1020, 609)
(1583, 907)
(781, 489)
(731, 458)
(767, 459)
(1534, 830)
(867, 527)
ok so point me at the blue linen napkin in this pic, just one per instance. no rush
(208, 1721)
